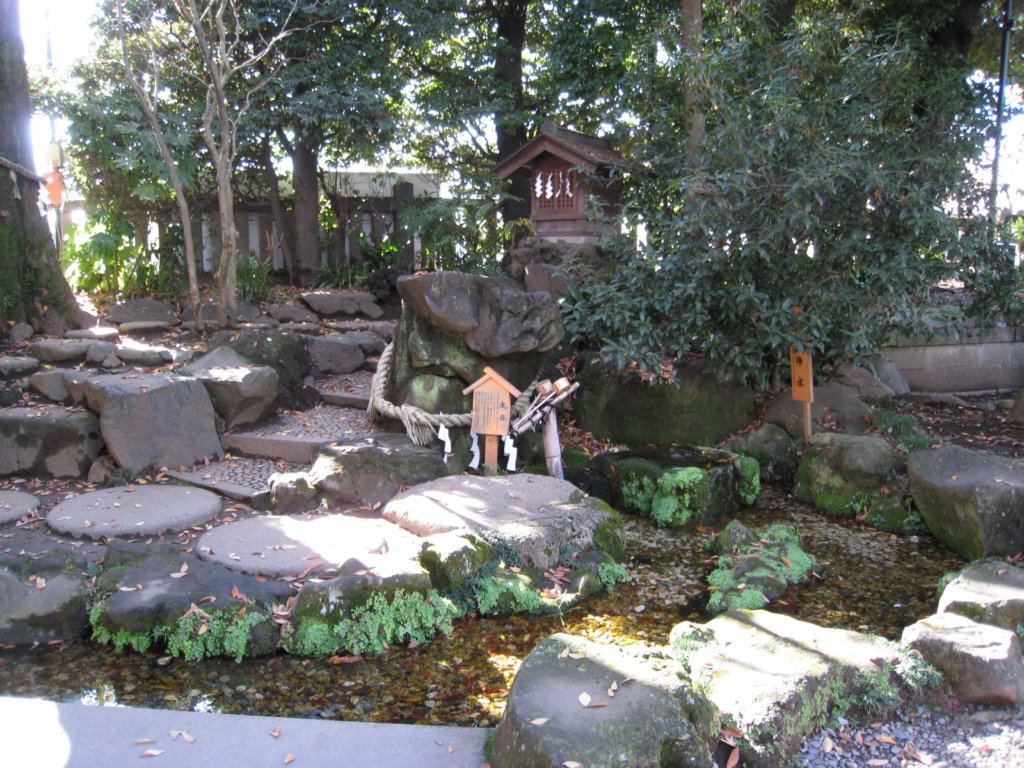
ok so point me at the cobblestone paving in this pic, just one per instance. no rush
(325, 422)
(247, 472)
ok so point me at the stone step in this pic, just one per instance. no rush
(296, 436)
(236, 477)
(350, 390)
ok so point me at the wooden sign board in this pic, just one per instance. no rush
(803, 375)
(492, 411)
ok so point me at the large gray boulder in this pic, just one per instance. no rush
(574, 702)
(369, 470)
(698, 408)
(11, 366)
(242, 393)
(537, 516)
(342, 352)
(154, 419)
(836, 468)
(453, 325)
(63, 350)
(775, 678)
(48, 442)
(971, 501)
(982, 663)
(834, 409)
(990, 592)
(774, 449)
(284, 352)
(49, 606)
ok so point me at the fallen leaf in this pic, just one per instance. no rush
(921, 757)
(276, 732)
(289, 758)
(584, 699)
(728, 734)
(827, 744)
(612, 689)
(344, 659)
(877, 761)
(185, 735)
(140, 742)
(886, 739)
(40, 582)
(152, 753)
(539, 720)
(572, 764)
(734, 758)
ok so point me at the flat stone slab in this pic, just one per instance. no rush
(280, 545)
(51, 735)
(60, 350)
(991, 592)
(96, 333)
(133, 510)
(144, 326)
(14, 505)
(535, 514)
(17, 366)
(342, 303)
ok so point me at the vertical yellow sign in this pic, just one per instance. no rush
(803, 375)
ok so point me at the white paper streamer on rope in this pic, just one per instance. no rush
(511, 451)
(475, 450)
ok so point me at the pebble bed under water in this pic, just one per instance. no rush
(872, 582)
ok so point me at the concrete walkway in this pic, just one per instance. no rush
(43, 734)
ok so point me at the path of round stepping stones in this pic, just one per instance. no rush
(288, 545)
(14, 505)
(133, 510)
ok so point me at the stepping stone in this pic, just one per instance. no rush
(330, 303)
(291, 313)
(14, 505)
(61, 350)
(278, 545)
(97, 333)
(17, 366)
(133, 510)
(536, 515)
(350, 390)
(144, 326)
(137, 310)
(303, 329)
(137, 353)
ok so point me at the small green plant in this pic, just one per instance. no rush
(253, 277)
(904, 431)
(916, 673)
(341, 276)
(505, 592)
(314, 638)
(218, 633)
(748, 478)
(407, 616)
(119, 638)
(611, 574)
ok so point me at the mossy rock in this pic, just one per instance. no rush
(697, 408)
(452, 559)
(757, 567)
(837, 470)
(773, 448)
(680, 486)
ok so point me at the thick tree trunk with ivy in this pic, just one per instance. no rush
(32, 287)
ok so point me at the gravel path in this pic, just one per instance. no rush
(976, 737)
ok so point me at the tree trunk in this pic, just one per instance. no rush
(692, 32)
(307, 208)
(277, 210)
(510, 127)
(32, 286)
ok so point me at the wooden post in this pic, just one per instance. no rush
(802, 369)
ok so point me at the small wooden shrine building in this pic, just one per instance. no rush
(566, 169)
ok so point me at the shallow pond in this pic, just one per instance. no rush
(872, 581)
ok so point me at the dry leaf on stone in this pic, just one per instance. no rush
(539, 720)
(140, 742)
(584, 699)
(826, 744)
(886, 739)
(572, 764)
(921, 757)
(152, 753)
(612, 689)
(289, 758)
(734, 758)
(276, 732)
(180, 572)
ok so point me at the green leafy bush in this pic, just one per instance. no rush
(406, 616)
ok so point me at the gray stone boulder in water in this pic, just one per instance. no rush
(43, 597)
(453, 325)
(48, 442)
(368, 470)
(698, 408)
(982, 663)
(242, 393)
(991, 592)
(574, 702)
(775, 678)
(537, 516)
(774, 449)
(154, 419)
(971, 501)
(837, 470)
